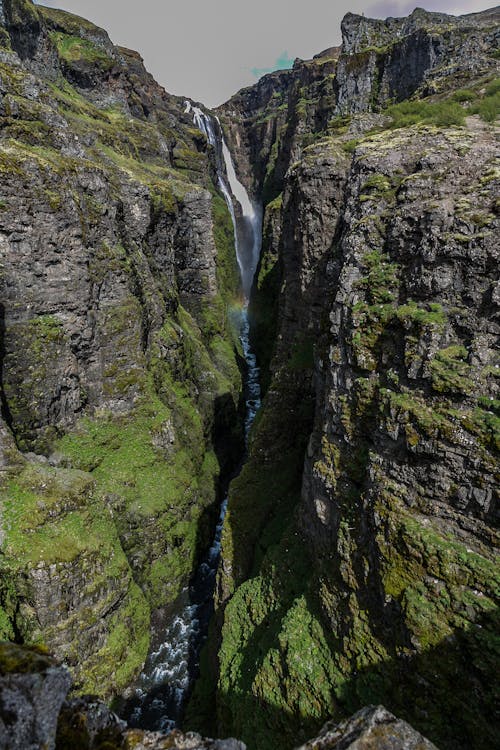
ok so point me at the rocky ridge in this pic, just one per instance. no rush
(359, 556)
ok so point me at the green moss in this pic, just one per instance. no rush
(450, 371)
(73, 49)
(125, 649)
(23, 13)
(68, 22)
(274, 659)
(16, 659)
(57, 517)
(381, 277)
(484, 422)
(431, 315)
(377, 187)
(488, 106)
(42, 337)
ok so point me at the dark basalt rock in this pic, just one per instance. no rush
(32, 690)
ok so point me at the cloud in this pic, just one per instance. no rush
(399, 8)
(283, 62)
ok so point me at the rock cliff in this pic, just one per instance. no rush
(119, 379)
(359, 556)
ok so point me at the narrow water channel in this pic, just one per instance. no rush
(159, 696)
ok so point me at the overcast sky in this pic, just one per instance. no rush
(208, 49)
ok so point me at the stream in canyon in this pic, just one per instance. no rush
(159, 696)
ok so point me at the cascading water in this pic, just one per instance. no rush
(162, 689)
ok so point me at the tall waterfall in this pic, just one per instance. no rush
(247, 216)
(159, 696)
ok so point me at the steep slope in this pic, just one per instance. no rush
(119, 379)
(359, 549)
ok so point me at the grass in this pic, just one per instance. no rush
(488, 107)
(73, 49)
(450, 371)
(442, 114)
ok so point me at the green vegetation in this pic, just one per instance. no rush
(56, 518)
(377, 187)
(488, 106)
(450, 371)
(440, 113)
(73, 49)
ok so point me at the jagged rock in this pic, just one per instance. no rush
(372, 728)
(136, 740)
(32, 690)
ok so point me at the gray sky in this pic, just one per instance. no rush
(208, 49)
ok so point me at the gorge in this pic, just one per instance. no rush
(167, 679)
(142, 326)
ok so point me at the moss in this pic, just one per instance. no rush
(73, 49)
(483, 421)
(381, 276)
(42, 337)
(274, 659)
(69, 23)
(125, 650)
(23, 13)
(16, 659)
(58, 518)
(377, 187)
(488, 106)
(450, 371)
(432, 315)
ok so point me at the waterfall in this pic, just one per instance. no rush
(247, 219)
(158, 698)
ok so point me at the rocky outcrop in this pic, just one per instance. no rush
(388, 61)
(119, 382)
(33, 715)
(372, 727)
(379, 63)
(359, 556)
(32, 690)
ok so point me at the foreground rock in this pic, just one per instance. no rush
(32, 690)
(372, 728)
(33, 714)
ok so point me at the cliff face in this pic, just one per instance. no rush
(358, 559)
(358, 556)
(119, 383)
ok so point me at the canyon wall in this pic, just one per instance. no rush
(358, 559)
(119, 380)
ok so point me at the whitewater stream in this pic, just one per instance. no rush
(160, 694)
